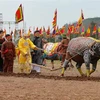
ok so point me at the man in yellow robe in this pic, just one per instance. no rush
(24, 46)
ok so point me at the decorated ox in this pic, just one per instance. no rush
(83, 50)
(54, 51)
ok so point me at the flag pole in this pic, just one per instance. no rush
(23, 32)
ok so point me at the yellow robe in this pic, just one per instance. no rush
(24, 46)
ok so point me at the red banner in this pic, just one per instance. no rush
(19, 14)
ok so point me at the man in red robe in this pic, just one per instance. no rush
(8, 54)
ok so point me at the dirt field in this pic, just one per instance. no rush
(50, 86)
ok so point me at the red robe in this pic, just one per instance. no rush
(8, 54)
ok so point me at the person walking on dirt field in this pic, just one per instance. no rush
(25, 60)
(37, 54)
(8, 54)
(1, 41)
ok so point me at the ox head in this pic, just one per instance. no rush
(96, 49)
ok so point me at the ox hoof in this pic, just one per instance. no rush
(83, 75)
(62, 75)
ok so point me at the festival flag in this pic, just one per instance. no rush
(4, 33)
(29, 32)
(69, 30)
(40, 30)
(62, 30)
(80, 19)
(88, 32)
(72, 29)
(83, 30)
(19, 14)
(48, 30)
(94, 30)
(54, 31)
(76, 29)
(99, 31)
(54, 23)
(57, 30)
(82, 15)
(43, 29)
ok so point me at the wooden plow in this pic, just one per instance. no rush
(45, 67)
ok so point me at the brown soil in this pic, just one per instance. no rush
(48, 85)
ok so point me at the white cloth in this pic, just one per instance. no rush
(37, 68)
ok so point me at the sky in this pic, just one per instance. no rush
(39, 13)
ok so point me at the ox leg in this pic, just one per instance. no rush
(93, 67)
(52, 62)
(65, 64)
(78, 66)
(44, 62)
(87, 58)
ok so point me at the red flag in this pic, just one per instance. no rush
(40, 30)
(94, 30)
(48, 30)
(19, 14)
(72, 29)
(54, 23)
(62, 30)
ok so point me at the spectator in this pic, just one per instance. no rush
(8, 54)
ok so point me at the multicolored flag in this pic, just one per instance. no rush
(99, 31)
(54, 23)
(62, 30)
(76, 29)
(57, 30)
(19, 14)
(48, 30)
(40, 30)
(80, 19)
(72, 28)
(54, 31)
(94, 30)
(83, 30)
(88, 32)
(29, 32)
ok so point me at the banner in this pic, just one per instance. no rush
(19, 14)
